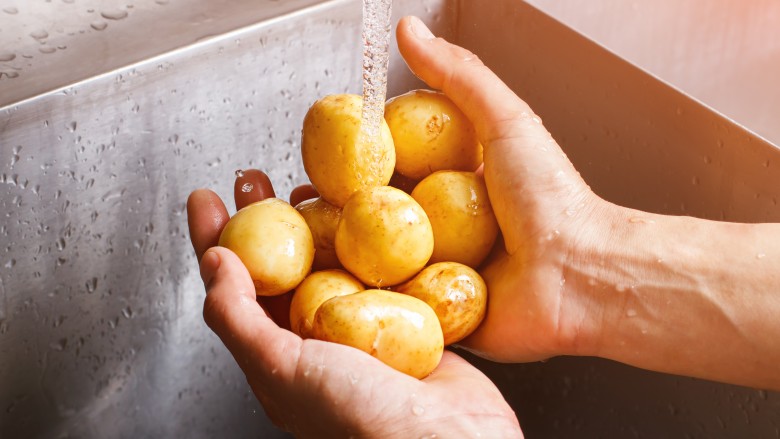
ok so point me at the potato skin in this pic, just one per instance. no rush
(464, 225)
(456, 293)
(323, 220)
(336, 160)
(400, 330)
(384, 237)
(273, 241)
(431, 134)
(317, 288)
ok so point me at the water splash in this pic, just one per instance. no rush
(376, 56)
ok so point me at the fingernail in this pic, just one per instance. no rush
(420, 30)
(208, 267)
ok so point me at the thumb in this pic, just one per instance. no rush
(522, 160)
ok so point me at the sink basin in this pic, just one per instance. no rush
(101, 333)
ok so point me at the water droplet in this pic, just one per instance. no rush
(46, 50)
(592, 282)
(11, 10)
(247, 187)
(418, 410)
(114, 14)
(98, 25)
(92, 285)
(695, 181)
(631, 313)
(127, 312)
(6, 56)
(638, 220)
(39, 34)
(59, 345)
(72, 126)
(10, 74)
(761, 256)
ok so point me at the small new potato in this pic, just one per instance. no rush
(456, 293)
(317, 288)
(323, 220)
(431, 134)
(336, 157)
(273, 241)
(464, 225)
(400, 330)
(384, 237)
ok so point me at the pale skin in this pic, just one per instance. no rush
(577, 275)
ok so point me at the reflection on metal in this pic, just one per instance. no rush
(724, 53)
(101, 332)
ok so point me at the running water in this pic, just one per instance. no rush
(376, 56)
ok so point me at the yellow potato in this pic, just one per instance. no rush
(431, 134)
(313, 291)
(272, 239)
(464, 225)
(384, 237)
(399, 330)
(335, 158)
(456, 293)
(323, 220)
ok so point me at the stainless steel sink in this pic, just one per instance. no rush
(101, 332)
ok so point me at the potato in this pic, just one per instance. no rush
(336, 159)
(431, 134)
(313, 291)
(384, 237)
(462, 218)
(456, 293)
(273, 241)
(399, 330)
(323, 220)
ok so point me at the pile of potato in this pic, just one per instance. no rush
(385, 259)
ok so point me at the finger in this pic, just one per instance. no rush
(521, 158)
(303, 193)
(260, 347)
(250, 187)
(206, 217)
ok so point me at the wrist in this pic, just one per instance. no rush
(593, 275)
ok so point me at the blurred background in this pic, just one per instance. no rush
(112, 112)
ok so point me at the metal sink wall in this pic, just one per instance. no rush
(101, 332)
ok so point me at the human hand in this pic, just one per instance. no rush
(540, 201)
(318, 389)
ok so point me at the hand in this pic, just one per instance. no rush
(318, 389)
(539, 199)
(577, 275)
